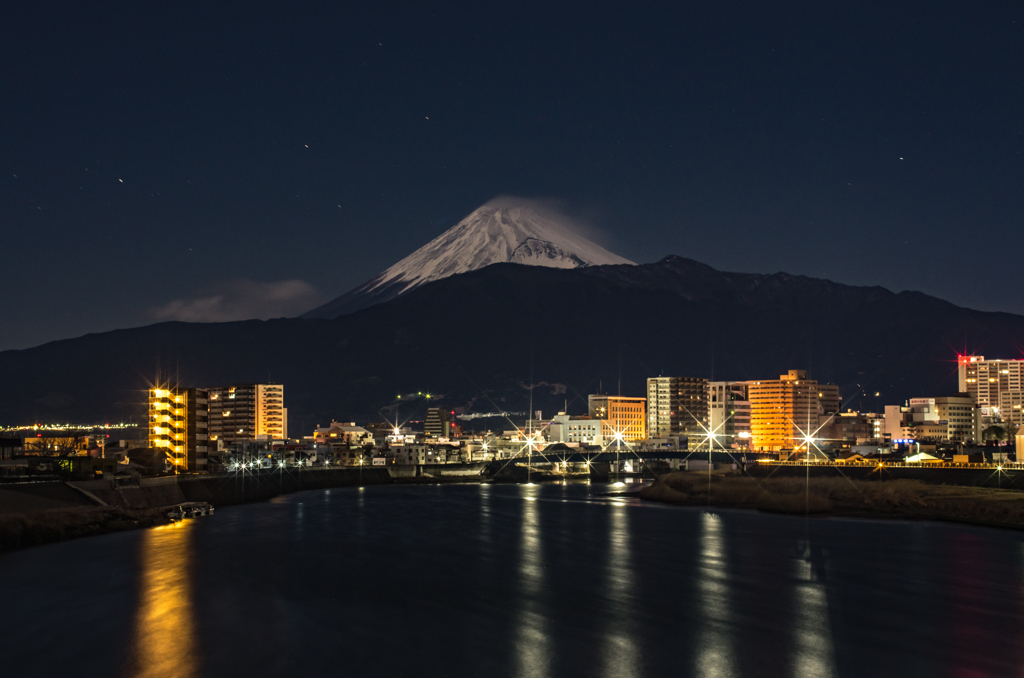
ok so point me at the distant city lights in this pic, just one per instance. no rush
(68, 427)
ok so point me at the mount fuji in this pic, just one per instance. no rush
(504, 230)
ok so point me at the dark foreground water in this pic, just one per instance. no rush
(543, 580)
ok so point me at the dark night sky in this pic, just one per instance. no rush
(160, 152)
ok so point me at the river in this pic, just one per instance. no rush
(516, 580)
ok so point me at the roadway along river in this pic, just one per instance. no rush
(513, 580)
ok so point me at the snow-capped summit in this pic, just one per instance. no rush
(503, 230)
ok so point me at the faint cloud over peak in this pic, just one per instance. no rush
(582, 220)
(242, 299)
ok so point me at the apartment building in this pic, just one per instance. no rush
(179, 425)
(244, 411)
(437, 423)
(953, 418)
(987, 380)
(787, 410)
(677, 406)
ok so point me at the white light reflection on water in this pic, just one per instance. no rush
(814, 652)
(714, 652)
(361, 512)
(485, 516)
(300, 521)
(620, 657)
(533, 654)
(164, 640)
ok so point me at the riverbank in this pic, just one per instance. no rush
(33, 514)
(22, 530)
(900, 499)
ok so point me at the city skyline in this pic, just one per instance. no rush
(759, 414)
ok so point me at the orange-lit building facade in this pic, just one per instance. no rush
(244, 411)
(178, 425)
(784, 411)
(620, 415)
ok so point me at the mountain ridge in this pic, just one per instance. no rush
(473, 339)
(502, 230)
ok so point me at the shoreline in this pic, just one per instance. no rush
(820, 498)
(27, 529)
(31, 527)
(842, 498)
(36, 514)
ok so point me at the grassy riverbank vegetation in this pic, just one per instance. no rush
(906, 499)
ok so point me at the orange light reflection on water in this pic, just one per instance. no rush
(163, 643)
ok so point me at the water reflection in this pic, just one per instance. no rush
(620, 655)
(714, 652)
(361, 512)
(164, 642)
(485, 516)
(814, 653)
(757, 605)
(533, 654)
(300, 522)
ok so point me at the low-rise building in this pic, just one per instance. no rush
(850, 429)
(951, 418)
(343, 433)
(8, 446)
(428, 453)
(349, 442)
(568, 429)
(622, 418)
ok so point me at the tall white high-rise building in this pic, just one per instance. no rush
(997, 386)
(677, 406)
